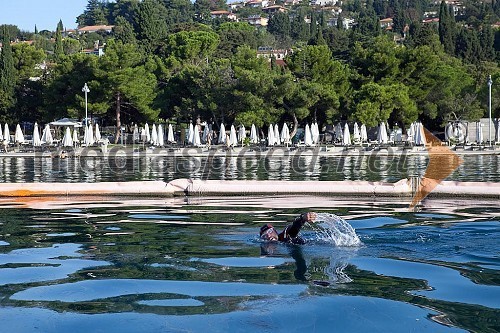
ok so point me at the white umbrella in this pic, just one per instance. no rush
(479, 132)
(91, 135)
(206, 131)
(498, 131)
(18, 135)
(1, 135)
(36, 136)
(67, 140)
(190, 134)
(196, 136)
(363, 134)
(242, 134)
(356, 135)
(315, 132)
(161, 136)
(135, 134)
(308, 136)
(154, 136)
(339, 132)
(270, 136)
(254, 138)
(419, 134)
(170, 134)
(97, 133)
(148, 135)
(285, 134)
(222, 134)
(75, 136)
(346, 141)
(47, 135)
(411, 134)
(382, 134)
(233, 139)
(277, 138)
(6, 133)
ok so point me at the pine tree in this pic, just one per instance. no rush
(7, 74)
(36, 30)
(58, 47)
(447, 34)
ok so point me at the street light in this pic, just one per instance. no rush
(490, 82)
(86, 90)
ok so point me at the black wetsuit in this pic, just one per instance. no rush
(291, 232)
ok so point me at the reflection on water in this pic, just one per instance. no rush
(389, 168)
(197, 264)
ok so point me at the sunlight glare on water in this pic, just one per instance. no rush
(333, 229)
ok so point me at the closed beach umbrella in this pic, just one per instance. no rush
(277, 139)
(285, 134)
(346, 141)
(315, 132)
(148, 135)
(18, 135)
(161, 137)
(91, 135)
(75, 136)
(190, 134)
(308, 136)
(479, 132)
(206, 131)
(6, 133)
(170, 134)
(154, 135)
(498, 131)
(233, 139)
(411, 134)
(36, 136)
(419, 134)
(242, 134)
(363, 134)
(67, 139)
(254, 138)
(135, 134)
(270, 136)
(382, 134)
(339, 132)
(1, 134)
(222, 134)
(355, 133)
(46, 135)
(97, 133)
(196, 136)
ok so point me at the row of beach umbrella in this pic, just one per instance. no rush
(69, 139)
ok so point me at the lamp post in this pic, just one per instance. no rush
(490, 82)
(86, 90)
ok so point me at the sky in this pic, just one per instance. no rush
(45, 14)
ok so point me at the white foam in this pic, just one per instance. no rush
(333, 229)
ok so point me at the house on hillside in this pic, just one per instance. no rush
(256, 20)
(96, 28)
(257, 3)
(274, 9)
(224, 14)
(97, 50)
(386, 23)
(323, 3)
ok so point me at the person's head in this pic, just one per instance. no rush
(268, 233)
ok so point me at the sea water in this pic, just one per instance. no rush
(193, 265)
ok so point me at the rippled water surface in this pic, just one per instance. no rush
(376, 167)
(196, 265)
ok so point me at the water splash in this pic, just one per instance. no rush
(333, 229)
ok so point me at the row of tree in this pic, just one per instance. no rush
(189, 69)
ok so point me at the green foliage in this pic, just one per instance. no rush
(8, 75)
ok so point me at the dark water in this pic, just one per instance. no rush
(368, 167)
(196, 265)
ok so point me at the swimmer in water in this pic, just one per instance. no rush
(291, 232)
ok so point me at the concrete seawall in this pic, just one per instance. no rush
(193, 187)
